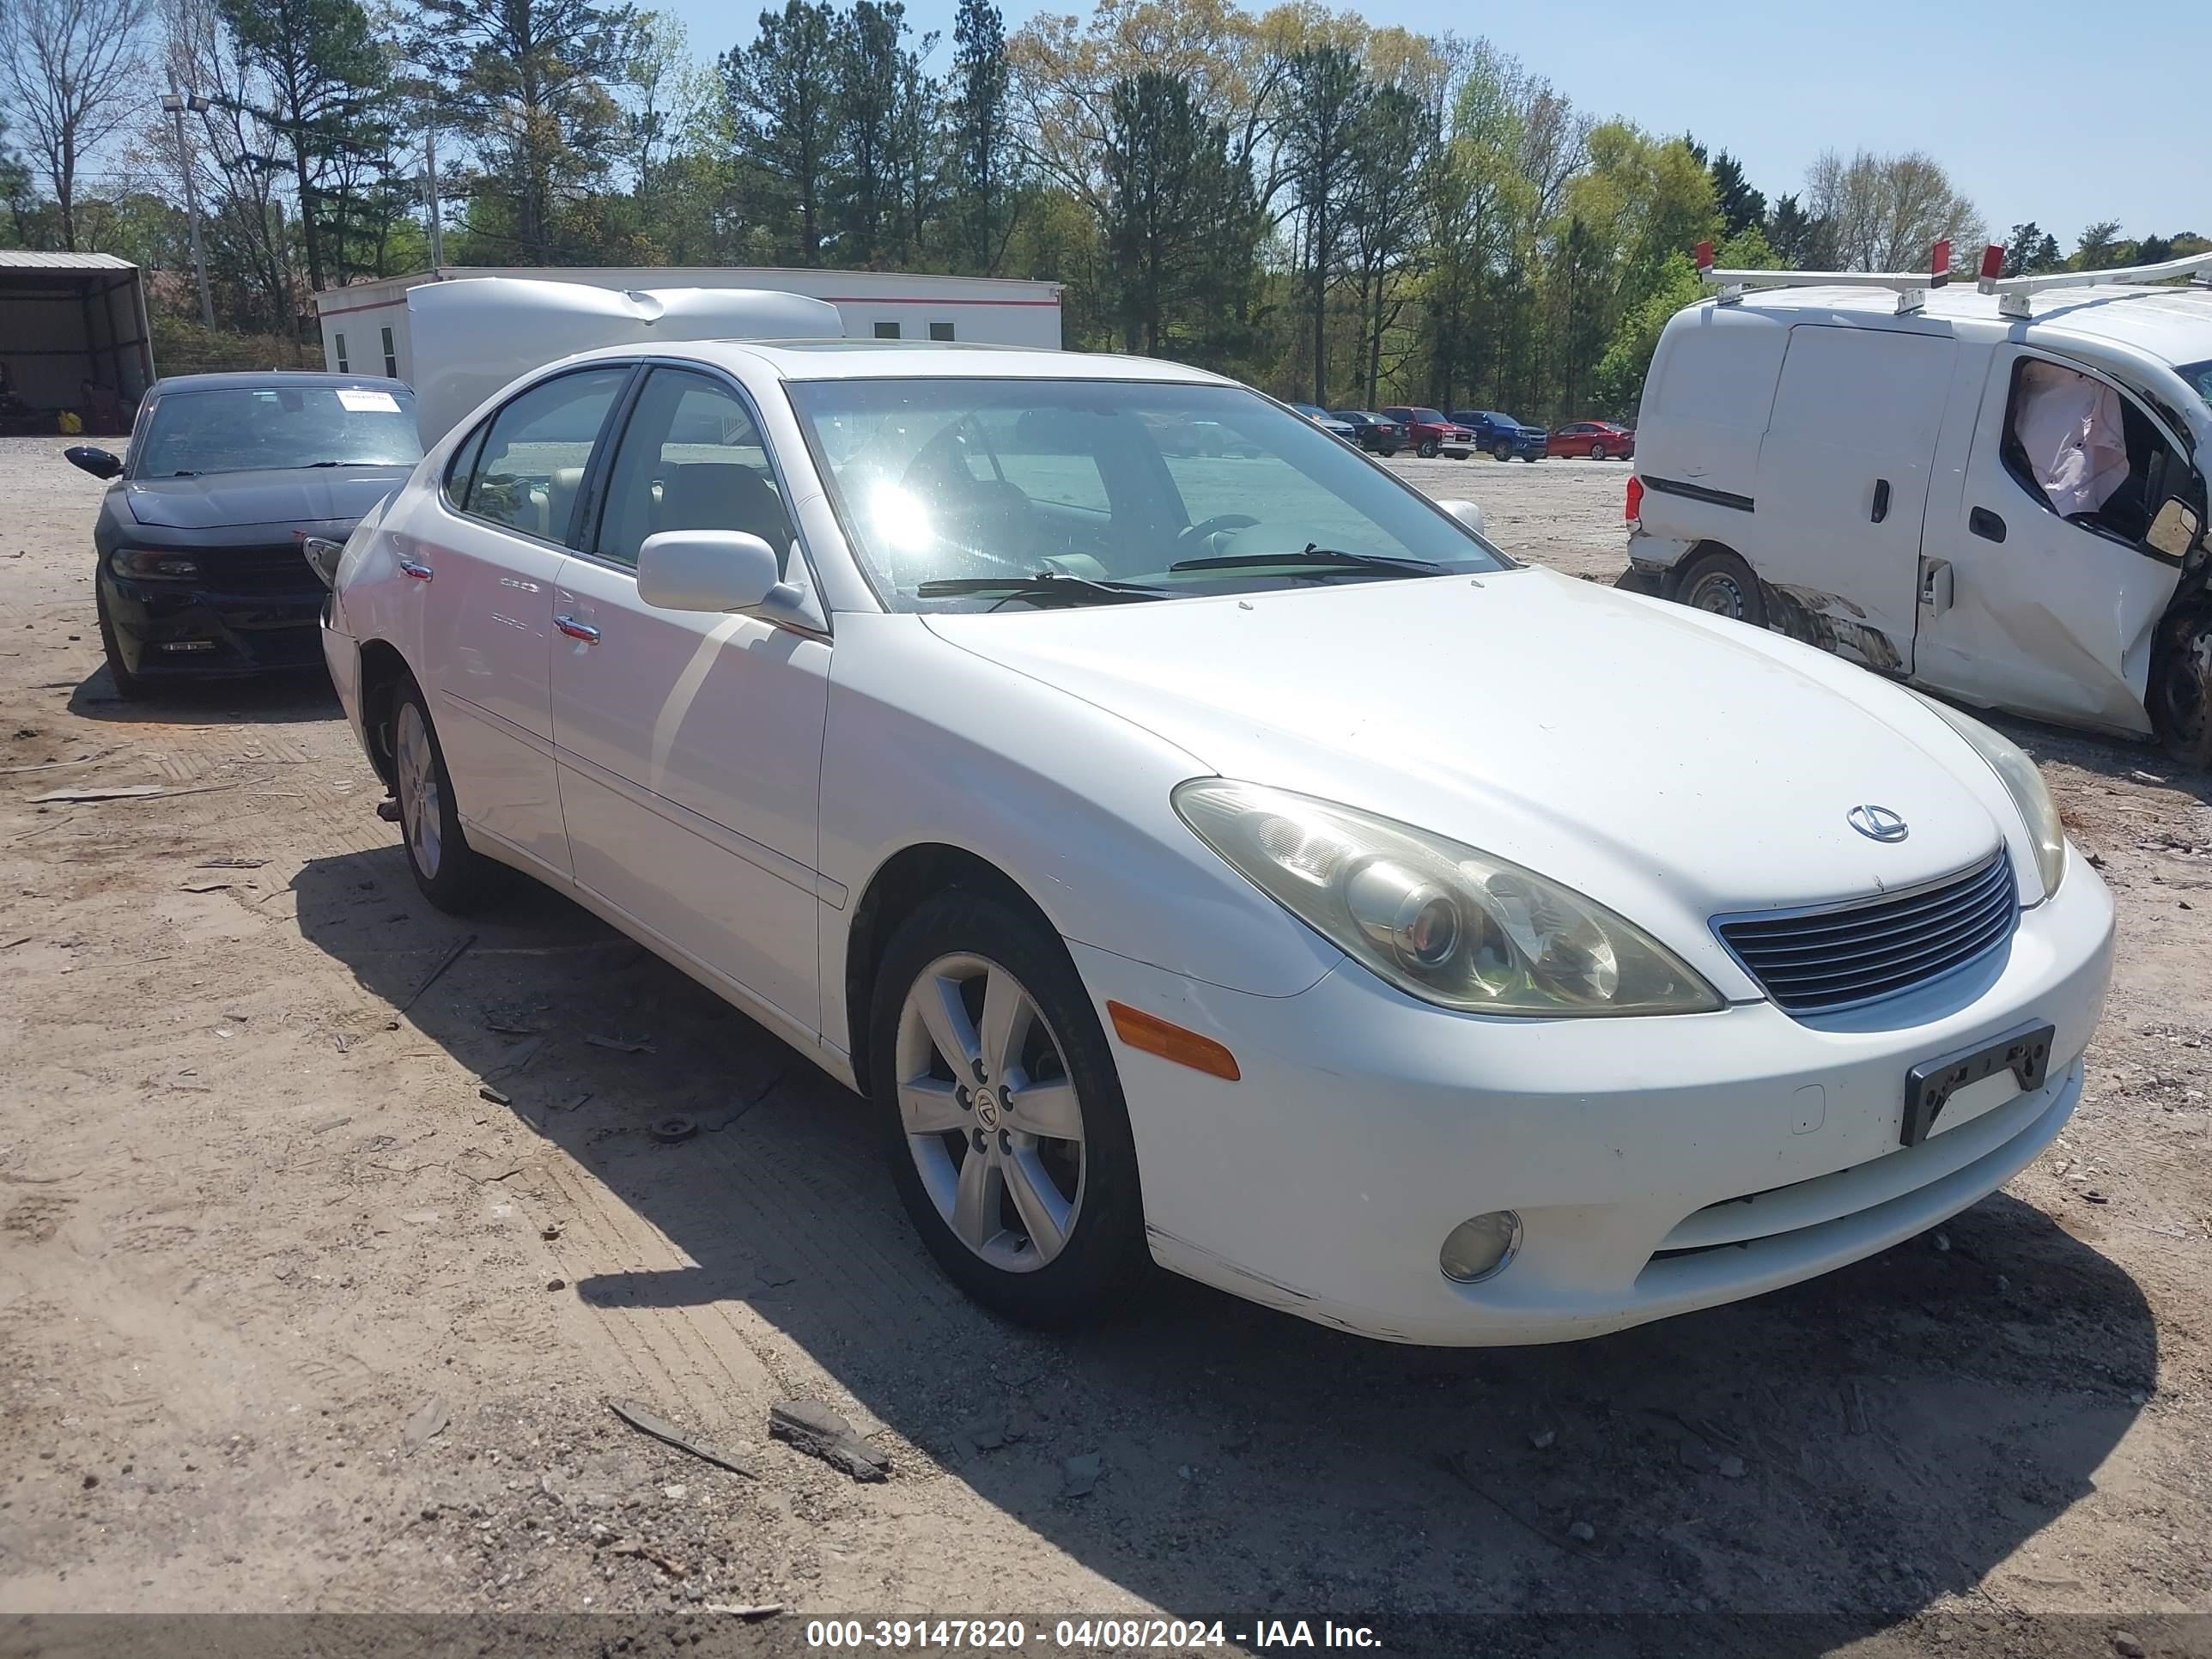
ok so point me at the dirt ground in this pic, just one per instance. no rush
(294, 1316)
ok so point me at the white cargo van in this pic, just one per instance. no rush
(1842, 457)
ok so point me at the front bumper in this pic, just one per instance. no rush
(187, 630)
(1658, 1165)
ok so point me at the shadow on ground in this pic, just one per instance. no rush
(300, 694)
(1844, 1452)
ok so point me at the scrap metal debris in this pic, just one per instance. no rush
(428, 1421)
(662, 1430)
(622, 1045)
(814, 1428)
(111, 791)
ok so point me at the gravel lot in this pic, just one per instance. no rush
(292, 1316)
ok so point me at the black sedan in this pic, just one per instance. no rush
(201, 569)
(1373, 432)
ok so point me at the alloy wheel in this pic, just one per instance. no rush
(416, 768)
(991, 1115)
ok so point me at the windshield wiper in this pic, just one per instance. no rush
(311, 464)
(1313, 554)
(1045, 586)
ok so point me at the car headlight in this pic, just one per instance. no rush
(1442, 921)
(151, 562)
(2023, 782)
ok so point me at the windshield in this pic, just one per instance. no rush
(241, 428)
(1432, 417)
(2199, 377)
(941, 481)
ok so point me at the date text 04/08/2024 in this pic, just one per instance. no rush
(1172, 1634)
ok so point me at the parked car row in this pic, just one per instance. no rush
(1430, 433)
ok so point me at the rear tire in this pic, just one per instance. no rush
(131, 688)
(1722, 584)
(452, 875)
(1045, 1228)
(2181, 685)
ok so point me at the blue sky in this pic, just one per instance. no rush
(2059, 112)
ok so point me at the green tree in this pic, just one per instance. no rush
(1382, 219)
(984, 154)
(1179, 218)
(325, 70)
(1326, 95)
(1742, 207)
(527, 82)
(2030, 250)
(71, 72)
(782, 92)
(2099, 247)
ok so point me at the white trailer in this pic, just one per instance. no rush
(365, 330)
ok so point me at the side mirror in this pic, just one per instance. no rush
(1466, 513)
(93, 459)
(2173, 528)
(722, 570)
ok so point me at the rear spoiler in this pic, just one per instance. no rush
(472, 337)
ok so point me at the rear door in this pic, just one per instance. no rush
(485, 554)
(1843, 484)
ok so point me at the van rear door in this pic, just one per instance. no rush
(1843, 485)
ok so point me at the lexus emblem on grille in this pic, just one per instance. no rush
(1877, 823)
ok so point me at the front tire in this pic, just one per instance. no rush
(452, 875)
(1427, 449)
(1501, 451)
(1002, 1114)
(1597, 451)
(2180, 691)
(1721, 583)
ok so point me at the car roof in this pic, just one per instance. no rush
(862, 360)
(263, 380)
(2174, 324)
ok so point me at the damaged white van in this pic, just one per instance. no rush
(1995, 491)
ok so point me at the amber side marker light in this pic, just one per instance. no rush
(1168, 1041)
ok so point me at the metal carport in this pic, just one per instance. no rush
(67, 319)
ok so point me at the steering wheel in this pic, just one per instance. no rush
(1214, 525)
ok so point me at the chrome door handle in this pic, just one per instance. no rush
(576, 630)
(422, 573)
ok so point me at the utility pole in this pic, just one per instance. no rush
(176, 104)
(430, 186)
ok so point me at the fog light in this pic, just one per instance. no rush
(1481, 1247)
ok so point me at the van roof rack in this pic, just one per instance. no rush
(1911, 286)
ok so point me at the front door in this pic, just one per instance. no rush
(1843, 485)
(486, 552)
(2045, 614)
(691, 743)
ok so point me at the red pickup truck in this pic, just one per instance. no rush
(1430, 434)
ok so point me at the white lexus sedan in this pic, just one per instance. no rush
(1225, 860)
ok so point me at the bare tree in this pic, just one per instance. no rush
(73, 72)
(1887, 211)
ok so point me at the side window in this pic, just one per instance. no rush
(2085, 451)
(690, 458)
(537, 450)
(390, 358)
(940, 331)
(343, 368)
(887, 330)
(461, 470)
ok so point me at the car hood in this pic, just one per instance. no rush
(288, 496)
(1671, 764)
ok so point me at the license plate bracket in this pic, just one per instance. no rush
(2025, 1051)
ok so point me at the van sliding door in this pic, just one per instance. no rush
(1843, 485)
